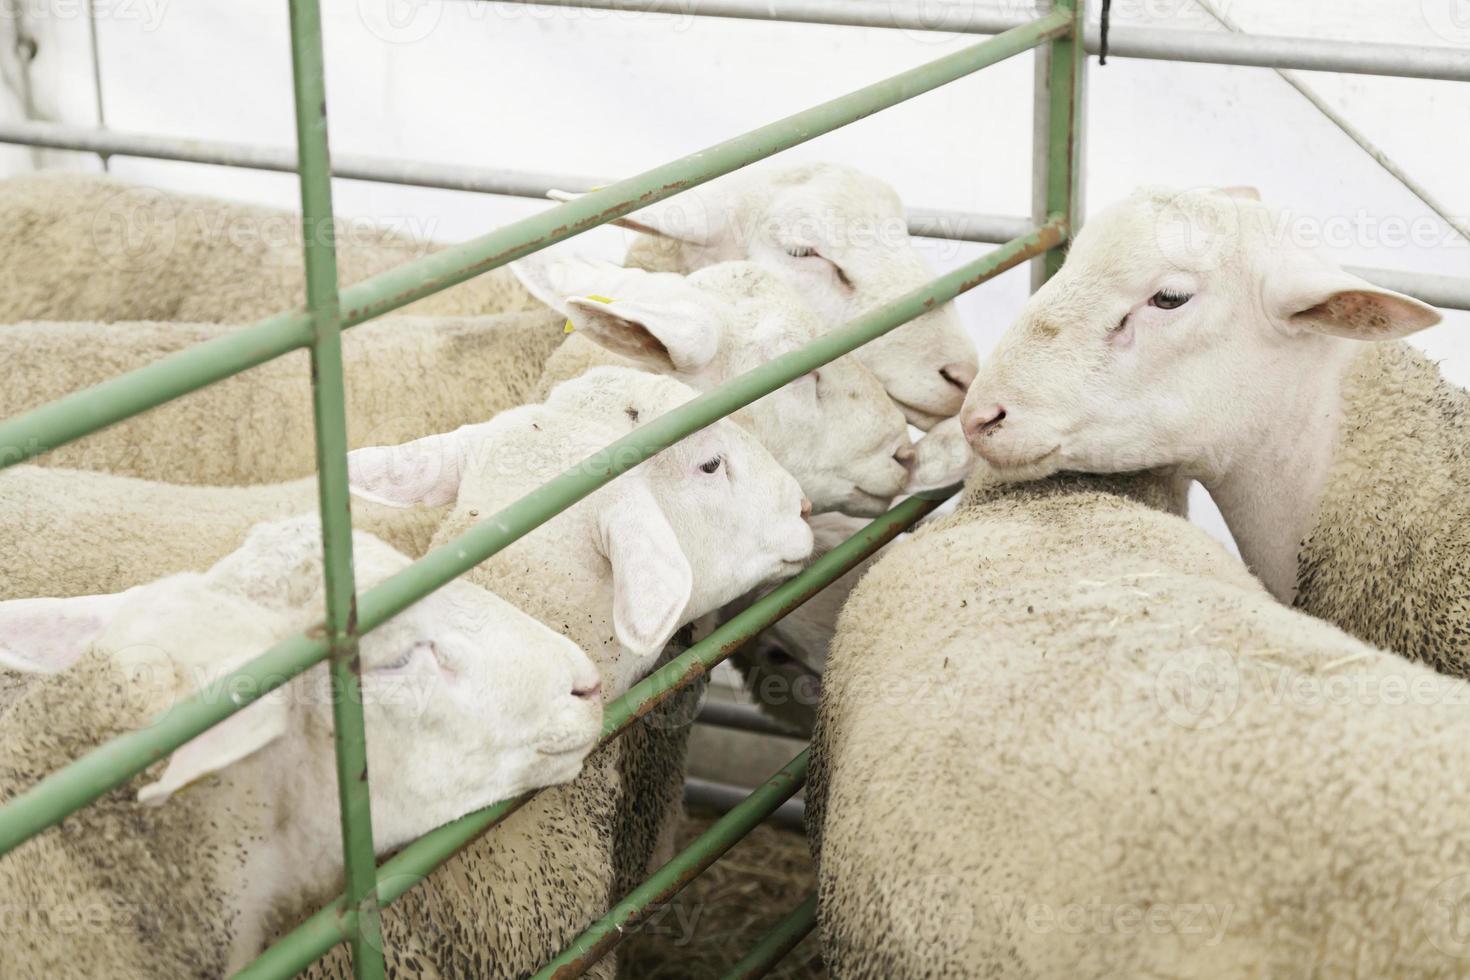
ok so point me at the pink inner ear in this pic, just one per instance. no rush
(1367, 315)
(45, 640)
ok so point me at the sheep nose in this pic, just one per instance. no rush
(959, 374)
(588, 693)
(806, 508)
(905, 457)
(983, 421)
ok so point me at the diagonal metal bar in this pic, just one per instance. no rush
(1398, 173)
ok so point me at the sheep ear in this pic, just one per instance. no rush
(426, 471)
(652, 580)
(657, 319)
(46, 636)
(672, 335)
(942, 458)
(1310, 295)
(661, 221)
(239, 736)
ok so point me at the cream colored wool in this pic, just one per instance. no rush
(1388, 558)
(405, 377)
(73, 532)
(1063, 734)
(88, 247)
(180, 862)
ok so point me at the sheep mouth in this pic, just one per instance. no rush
(1034, 467)
(922, 418)
(566, 747)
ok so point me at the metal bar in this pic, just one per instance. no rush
(785, 936)
(1274, 51)
(329, 413)
(1062, 194)
(925, 222)
(86, 411)
(253, 156)
(96, 74)
(1446, 292)
(313, 938)
(1443, 291)
(606, 933)
(742, 718)
(1124, 41)
(724, 797)
(118, 760)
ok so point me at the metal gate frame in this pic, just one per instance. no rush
(353, 917)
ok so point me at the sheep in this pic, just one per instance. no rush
(619, 572)
(405, 377)
(74, 532)
(1064, 733)
(1187, 330)
(834, 429)
(468, 701)
(88, 247)
(840, 237)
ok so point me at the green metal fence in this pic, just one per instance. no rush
(354, 916)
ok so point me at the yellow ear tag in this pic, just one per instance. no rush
(599, 299)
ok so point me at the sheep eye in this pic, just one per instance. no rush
(1166, 300)
(800, 251)
(408, 655)
(712, 465)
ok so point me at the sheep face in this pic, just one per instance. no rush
(688, 530)
(841, 239)
(467, 700)
(834, 429)
(1182, 328)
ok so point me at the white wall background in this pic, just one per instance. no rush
(600, 93)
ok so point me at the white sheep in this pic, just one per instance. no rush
(1188, 329)
(1063, 733)
(468, 701)
(835, 429)
(75, 532)
(840, 237)
(621, 571)
(405, 377)
(89, 247)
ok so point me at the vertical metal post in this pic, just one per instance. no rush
(1056, 189)
(361, 911)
